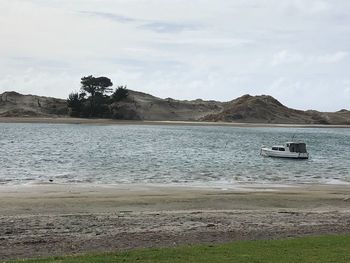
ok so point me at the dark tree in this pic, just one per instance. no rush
(74, 102)
(97, 88)
(95, 99)
(94, 85)
(120, 93)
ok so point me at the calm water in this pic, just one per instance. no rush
(167, 154)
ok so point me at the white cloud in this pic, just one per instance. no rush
(332, 58)
(286, 57)
(310, 7)
(289, 57)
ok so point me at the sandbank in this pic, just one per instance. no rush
(57, 219)
(68, 120)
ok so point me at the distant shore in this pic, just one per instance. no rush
(58, 219)
(68, 120)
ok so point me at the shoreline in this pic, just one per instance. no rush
(68, 120)
(247, 187)
(44, 187)
(57, 219)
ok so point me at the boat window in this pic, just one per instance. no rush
(292, 147)
(297, 147)
(275, 148)
(281, 149)
(301, 148)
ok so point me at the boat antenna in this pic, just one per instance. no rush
(293, 137)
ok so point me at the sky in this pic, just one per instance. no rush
(297, 51)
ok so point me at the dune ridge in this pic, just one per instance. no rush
(142, 106)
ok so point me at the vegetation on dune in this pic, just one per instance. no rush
(95, 98)
(310, 249)
(120, 93)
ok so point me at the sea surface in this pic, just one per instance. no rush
(186, 155)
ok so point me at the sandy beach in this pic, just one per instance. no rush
(68, 120)
(50, 219)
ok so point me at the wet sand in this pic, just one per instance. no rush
(68, 120)
(50, 219)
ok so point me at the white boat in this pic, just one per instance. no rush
(295, 150)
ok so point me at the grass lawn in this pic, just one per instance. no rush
(309, 249)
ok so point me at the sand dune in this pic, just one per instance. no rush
(142, 106)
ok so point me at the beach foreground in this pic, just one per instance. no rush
(50, 219)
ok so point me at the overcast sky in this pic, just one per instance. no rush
(295, 50)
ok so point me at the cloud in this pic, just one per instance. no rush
(145, 64)
(332, 58)
(182, 49)
(145, 24)
(166, 27)
(111, 16)
(218, 42)
(290, 57)
(286, 57)
(310, 7)
(36, 62)
(310, 92)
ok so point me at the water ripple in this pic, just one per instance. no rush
(166, 154)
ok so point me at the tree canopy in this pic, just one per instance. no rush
(95, 98)
(94, 85)
(120, 93)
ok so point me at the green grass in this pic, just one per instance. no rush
(310, 249)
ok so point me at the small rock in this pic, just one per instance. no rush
(210, 225)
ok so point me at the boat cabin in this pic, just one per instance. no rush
(278, 148)
(293, 147)
(296, 147)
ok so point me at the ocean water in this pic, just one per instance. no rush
(187, 155)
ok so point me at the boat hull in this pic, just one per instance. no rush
(283, 154)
